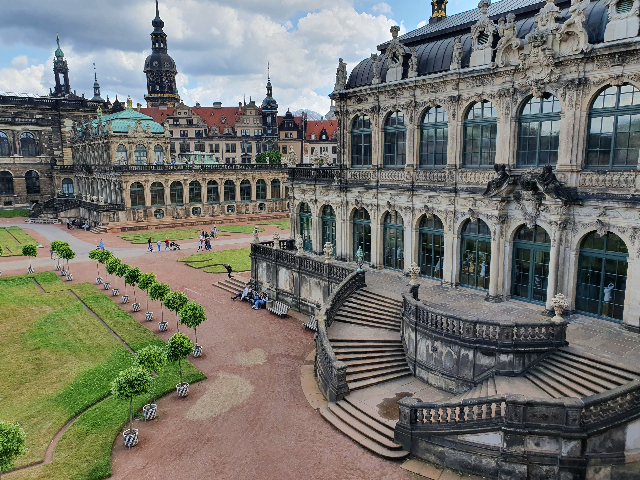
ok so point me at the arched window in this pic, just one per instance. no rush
(614, 128)
(362, 233)
(195, 192)
(136, 193)
(480, 131)
(157, 194)
(393, 241)
(121, 154)
(4, 145)
(395, 138)
(6, 183)
(476, 255)
(539, 132)
(305, 227)
(361, 142)
(229, 191)
(434, 135)
(275, 189)
(245, 191)
(32, 180)
(261, 190)
(602, 276)
(530, 273)
(140, 155)
(213, 195)
(67, 187)
(431, 242)
(27, 145)
(176, 193)
(158, 154)
(328, 226)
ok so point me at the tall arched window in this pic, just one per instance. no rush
(229, 191)
(140, 155)
(176, 193)
(361, 142)
(328, 219)
(305, 227)
(476, 255)
(261, 190)
(121, 154)
(213, 195)
(434, 135)
(136, 194)
(480, 131)
(6, 183)
(32, 180)
(158, 154)
(195, 192)
(602, 276)
(531, 247)
(431, 244)
(395, 138)
(275, 189)
(614, 128)
(67, 186)
(4, 145)
(157, 194)
(539, 132)
(245, 191)
(362, 233)
(393, 241)
(27, 145)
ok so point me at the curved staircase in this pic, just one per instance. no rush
(369, 309)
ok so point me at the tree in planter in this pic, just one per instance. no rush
(121, 272)
(132, 277)
(104, 256)
(29, 251)
(192, 315)
(130, 383)
(57, 245)
(153, 359)
(12, 440)
(112, 265)
(99, 256)
(178, 348)
(272, 157)
(67, 254)
(145, 282)
(159, 291)
(174, 302)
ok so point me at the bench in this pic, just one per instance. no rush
(279, 308)
(312, 324)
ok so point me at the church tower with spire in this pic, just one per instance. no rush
(269, 112)
(61, 69)
(160, 69)
(96, 88)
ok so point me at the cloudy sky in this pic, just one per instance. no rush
(221, 48)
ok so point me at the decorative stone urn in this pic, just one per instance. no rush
(125, 299)
(197, 351)
(162, 326)
(150, 410)
(256, 231)
(182, 389)
(148, 316)
(136, 307)
(98, 280)
(559, 305)
(115, 292)
(276, 240)
(414, 271)
(107, 285)
(328, 252)
(130, 437)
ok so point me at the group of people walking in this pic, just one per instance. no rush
(206, 237)
(256, 300)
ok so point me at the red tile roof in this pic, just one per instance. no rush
(156, 113)
(316, 126)
(211, 116)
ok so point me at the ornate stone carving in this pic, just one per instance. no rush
(395, 54)
(499, 184)
(608, 179)
(572, 36)
(528, 202)
(559, 304)
(276, 240)
(413, 63)
(328, 252)
(341, 77)
(377, 65)
(299, 244)
(509, 45)
(622, 24)
(473, 215)
(256, 238)
(601, 227)
(475, 177)
(482, 37)
(414, 271)
(456, 59)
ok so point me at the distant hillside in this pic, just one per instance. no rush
(311, 115)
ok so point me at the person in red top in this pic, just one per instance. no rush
(166, 244)
(150, 247)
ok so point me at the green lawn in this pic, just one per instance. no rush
(58, 360)
(212, 261)
(282, 224)
(177, 234)
(12, 239)
(16, 212)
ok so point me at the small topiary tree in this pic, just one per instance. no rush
(159, 291)
(178, 348)
(130, 383)
(174, 302)
(192, 315)
(94, 255)
(112, 265)
(29, 251)
(67, 254)
(131, 277)
(153, 359)
(145, 282)
(121, 272)
(12, 440)
(57, 245)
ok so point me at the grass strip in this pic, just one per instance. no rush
(12, 239)
(212, 262)
(282, 224)
(16, 212)
(172, 235)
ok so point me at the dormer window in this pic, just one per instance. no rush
(313, 136)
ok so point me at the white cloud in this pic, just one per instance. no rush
(383, 8)
(421, 24)
(21, 61)
(25, 80)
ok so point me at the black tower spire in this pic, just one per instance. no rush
(60, 68)
(160, 68)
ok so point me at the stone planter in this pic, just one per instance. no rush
(130, 438)
(150, 410)
(115, 292)
(136, 307)
(182, 389)
(106, 285)
(197, 351)
(98, 280)
(63, 272)
(148, 316)
(125, 299)
(30, 270)
(162, 326)
(69, 277)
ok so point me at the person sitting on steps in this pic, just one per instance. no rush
(245, 293)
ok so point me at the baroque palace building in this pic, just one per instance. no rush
(498, 150)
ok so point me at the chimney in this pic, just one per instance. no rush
(139, 106)
(240, 106)
(217, 104)
(197, 105)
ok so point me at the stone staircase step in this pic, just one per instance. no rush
(370, 412)
(563, 380)
(597, 377)
(365, 350)
(353, 370)
(372, 422)
(377, 380)
(358, 437)
(365, 323)
(357, 422)
(376, 373)
(600, 365)
(484, 390)
(519, 385)
(381, 298)
(365, 356)
(572, 375)
(349, 318)
(550, 386)
(374, 361)
(492, 387)
(364, 343)
(363, 302)
(360, 312)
